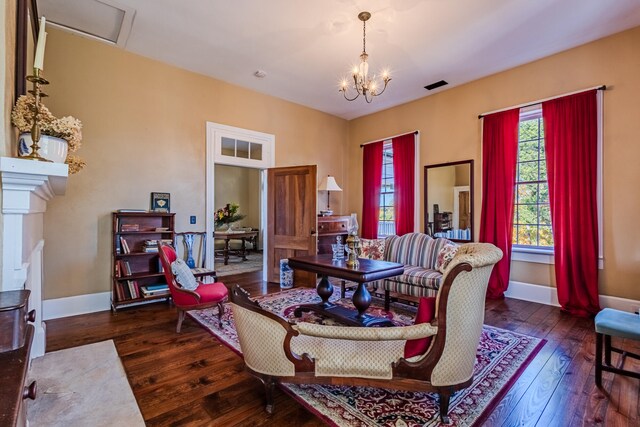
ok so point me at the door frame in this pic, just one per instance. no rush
(213, 152)
(456, 202)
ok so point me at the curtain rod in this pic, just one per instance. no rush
(415, 132)
(529, 104)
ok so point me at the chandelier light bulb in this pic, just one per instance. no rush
(362, 85)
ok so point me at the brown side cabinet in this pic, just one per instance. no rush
(329, 227)
(16, 336)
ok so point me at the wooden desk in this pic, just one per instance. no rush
(235, 235)
(368, 271)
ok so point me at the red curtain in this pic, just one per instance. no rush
(571, 145)
(499, 159)
(404, 160)
(371, 184)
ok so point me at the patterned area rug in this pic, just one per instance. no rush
(237, 265)
(500, 359)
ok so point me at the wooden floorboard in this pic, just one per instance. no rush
(192, 379)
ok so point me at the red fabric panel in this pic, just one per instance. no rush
(210, 292)
(426, 313)
(371, 184)
(571, 145)
(499, 159)
(404, 155)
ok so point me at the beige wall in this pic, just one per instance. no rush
(440, 189)
(144, 131)
(450, 131)
(241, 186)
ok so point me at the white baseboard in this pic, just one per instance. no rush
(72, 306)
(549, 296)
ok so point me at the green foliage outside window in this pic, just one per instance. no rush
(532, 217)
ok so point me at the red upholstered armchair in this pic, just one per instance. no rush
(204, 296)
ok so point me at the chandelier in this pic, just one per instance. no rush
(362, 83)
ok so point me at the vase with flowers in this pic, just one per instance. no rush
(226, 216)
(59, 136)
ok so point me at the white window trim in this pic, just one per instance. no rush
(546, 256)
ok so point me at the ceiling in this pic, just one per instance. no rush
(307, 47)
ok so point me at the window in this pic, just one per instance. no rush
(532, 216)
(386, 221)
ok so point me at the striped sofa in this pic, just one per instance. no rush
(419, 254)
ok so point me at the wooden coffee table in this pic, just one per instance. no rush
(368, 271)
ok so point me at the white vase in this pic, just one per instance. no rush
(51, 147)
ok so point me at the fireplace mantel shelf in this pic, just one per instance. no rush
(27, 185)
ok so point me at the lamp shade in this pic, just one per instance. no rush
(328, 183)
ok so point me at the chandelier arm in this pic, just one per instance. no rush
(383, 89)
(344, 92)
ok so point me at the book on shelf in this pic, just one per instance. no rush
(156, 287)
(125, 246)
(132, 210)
(127, 267)
(130, 227)
(117, 269)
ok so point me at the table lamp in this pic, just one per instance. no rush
(328, 184)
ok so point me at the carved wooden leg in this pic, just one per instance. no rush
(598, 360)
(444, 406)
(269, 385)
(180, 319)
(220, 313)
(387, 298)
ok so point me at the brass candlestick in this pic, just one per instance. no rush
(354, 250)
(35, 129)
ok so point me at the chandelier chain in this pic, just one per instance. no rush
(364, 36)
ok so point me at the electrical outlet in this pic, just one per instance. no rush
(192, 219)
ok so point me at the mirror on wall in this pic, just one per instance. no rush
(448, 200)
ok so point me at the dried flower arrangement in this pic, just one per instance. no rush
(68, 128)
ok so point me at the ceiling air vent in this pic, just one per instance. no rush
(436, 85)
(103, 20)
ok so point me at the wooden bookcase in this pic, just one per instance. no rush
(135, 228)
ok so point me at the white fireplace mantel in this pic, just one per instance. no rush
(27, 186)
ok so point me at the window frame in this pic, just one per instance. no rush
(386, 160)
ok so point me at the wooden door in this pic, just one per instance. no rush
(465, 210)
(291, 218)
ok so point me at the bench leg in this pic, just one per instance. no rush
(343, 288)
(607, 350)
(387, 298)
(598, 360)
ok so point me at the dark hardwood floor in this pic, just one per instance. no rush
(192, 379)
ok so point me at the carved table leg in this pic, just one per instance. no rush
(226, 251)
(324, 290)
(244, 249)
(361, 299)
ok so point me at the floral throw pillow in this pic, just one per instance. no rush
(372, 248)
(446, 254)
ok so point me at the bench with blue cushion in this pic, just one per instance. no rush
(620, 324)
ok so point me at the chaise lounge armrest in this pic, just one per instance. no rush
(412, 332)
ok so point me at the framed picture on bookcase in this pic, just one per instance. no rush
(160, 202)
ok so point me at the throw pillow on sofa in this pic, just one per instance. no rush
(372, 248)
(426, 313)
(184, 275)
(446, 254)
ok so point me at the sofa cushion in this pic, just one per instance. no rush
(372, 248)
(445, 255)
(426, 313)
(418, 276)
(416, 249)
